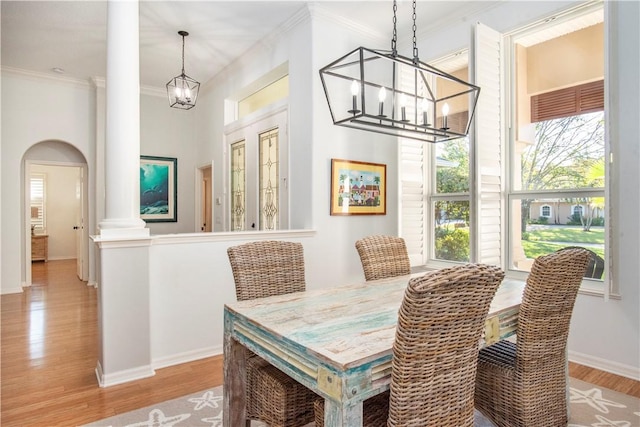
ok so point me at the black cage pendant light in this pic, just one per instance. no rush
(183, 90)
(384, 92)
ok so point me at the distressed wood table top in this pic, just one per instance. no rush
(338, 341)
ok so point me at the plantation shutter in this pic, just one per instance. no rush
(412, 186)
(487, 157)
(412, 198)
(584, 98)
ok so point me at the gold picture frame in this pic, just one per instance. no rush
(363, 185)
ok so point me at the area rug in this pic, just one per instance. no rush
(591, 406)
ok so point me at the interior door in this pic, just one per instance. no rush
(82, 267)
(206, 187)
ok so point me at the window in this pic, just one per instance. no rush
(435, 186)
(558, 144)
(38, 192)
(269, 166)
(508, 195)
(238, 179)
(545, 211)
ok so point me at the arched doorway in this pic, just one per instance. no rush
(65, 202)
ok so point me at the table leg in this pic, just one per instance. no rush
(336, 415)
(233, 388)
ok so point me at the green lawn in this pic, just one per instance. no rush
(551, 238)
(559, 233)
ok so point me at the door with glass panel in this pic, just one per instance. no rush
(258, 169)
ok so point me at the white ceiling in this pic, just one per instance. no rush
(71, 35)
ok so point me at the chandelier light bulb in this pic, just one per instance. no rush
(445, 113)
(382, 95)
(355, 88)
(425, 115)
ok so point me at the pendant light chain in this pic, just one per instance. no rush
(394, 40)
(183, 54)
(416, 60)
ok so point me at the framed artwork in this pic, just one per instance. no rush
(158, 189)
(358, 188)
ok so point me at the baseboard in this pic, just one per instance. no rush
(92, 283)
(605, 365)
(185, 357)
(108, 380)
(60, 258)
(15, 290)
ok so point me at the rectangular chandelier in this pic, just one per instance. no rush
(387, 93)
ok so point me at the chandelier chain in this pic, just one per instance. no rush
(183, 55)
(415, 40)
(394, 49)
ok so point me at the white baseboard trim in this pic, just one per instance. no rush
(189, 356)
(61, 257)
(15, 290)
(627, 371)
(92, 283)
(108, 380)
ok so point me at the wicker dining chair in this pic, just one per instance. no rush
(383, 256)
(433, 368)
(595, 267)
(525, 383)
(262, 269)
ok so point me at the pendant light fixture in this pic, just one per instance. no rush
(384, 92)
(182, 90)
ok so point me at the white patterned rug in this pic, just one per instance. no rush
(591, 406)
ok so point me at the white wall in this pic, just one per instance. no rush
(307, 45)
(62, 208)
(170, 132)
(35, 110)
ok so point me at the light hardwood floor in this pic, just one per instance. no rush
(49, 350)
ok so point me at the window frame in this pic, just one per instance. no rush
(604, 287)
(42, 203)
(422, 161)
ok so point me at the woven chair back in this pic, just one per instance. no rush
(383, 256)
(435, 352)
(267, 268)
(595, 267)
(547, 306)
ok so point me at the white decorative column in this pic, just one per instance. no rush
(123, 244)
(122, 147)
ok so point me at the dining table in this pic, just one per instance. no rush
(337, 341)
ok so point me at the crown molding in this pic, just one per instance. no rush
(35, 75)
(317, 11)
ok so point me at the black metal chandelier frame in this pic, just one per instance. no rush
(182, 90)
(362, 84)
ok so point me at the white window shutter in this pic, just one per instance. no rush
(412, 198)
(488, 157)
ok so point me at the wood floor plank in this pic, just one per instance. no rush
(49, 339)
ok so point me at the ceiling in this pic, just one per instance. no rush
(70, 36)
